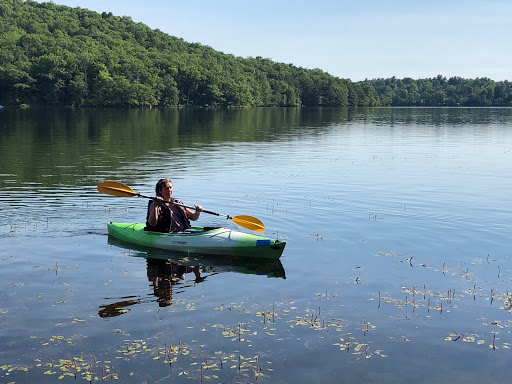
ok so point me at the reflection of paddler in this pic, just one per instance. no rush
(163, 274)
(166, 273)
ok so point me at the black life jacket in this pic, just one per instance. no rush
(164, 221)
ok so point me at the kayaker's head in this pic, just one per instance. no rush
(164, 189)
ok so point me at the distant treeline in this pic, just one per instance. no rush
(57, 55)
(439, 91)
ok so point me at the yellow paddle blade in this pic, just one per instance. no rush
(115, 188)
(249, 222)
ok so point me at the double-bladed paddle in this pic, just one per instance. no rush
(115, 188)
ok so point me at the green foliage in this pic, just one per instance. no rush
(57, 55)
(439, 91)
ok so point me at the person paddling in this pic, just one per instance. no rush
(167, 217)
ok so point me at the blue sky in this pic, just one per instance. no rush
(349, 39)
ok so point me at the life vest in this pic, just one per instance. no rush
(164, 218)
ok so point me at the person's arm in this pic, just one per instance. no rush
(153, 213)
(194, 215)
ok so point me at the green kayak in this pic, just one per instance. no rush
(207, 241)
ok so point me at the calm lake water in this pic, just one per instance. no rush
(397, 269)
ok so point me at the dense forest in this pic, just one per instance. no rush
(439, 91)
(57, 55)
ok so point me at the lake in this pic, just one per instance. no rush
(397, 267)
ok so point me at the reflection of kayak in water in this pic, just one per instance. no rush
(206, 241)
(208, 263)
(170, 275)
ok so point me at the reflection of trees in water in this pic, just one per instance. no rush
(164, 275)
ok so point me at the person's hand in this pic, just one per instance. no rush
(158, 200)
(198, 208)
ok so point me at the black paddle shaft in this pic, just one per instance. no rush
(183, 205)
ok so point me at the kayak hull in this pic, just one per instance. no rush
(206, 241)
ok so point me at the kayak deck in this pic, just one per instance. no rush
(207, 241)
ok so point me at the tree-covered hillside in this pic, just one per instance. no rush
(439, 91)
(57, 55)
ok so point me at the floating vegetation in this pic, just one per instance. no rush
(247, 358)
(468, 287)
(352, 346)
(474, 338)
(194, 366)
(507, 302)
(54, 340)
(468, 338)
(500, 324)
(390, 254)
(250, 333)
(319, 237)
(26, 226)
(76, 367)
